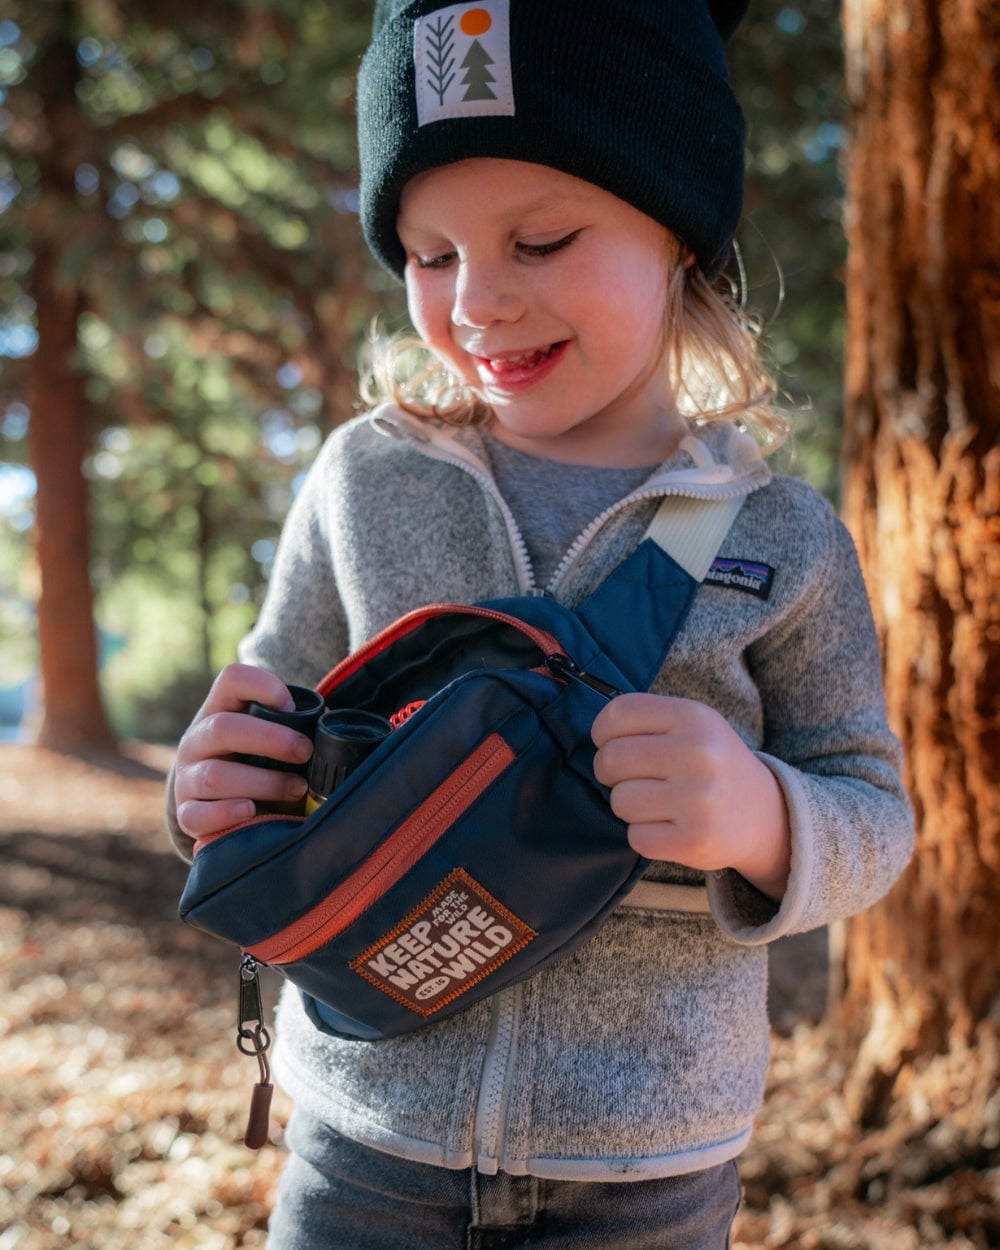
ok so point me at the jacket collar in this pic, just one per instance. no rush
(715, 457)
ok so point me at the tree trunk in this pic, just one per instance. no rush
(72, 716)
(922, 489)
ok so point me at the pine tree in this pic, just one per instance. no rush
(184, 226)
(922, 1005)
(477, 75)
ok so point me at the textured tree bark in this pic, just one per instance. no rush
(922, 498)
(72, 716)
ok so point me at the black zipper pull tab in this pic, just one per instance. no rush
(252, 1038)
(566, 668)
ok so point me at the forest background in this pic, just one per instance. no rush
(183, 299)
(188, 174)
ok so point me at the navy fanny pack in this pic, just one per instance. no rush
(473, 846)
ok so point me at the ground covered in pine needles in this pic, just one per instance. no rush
(123, 1099)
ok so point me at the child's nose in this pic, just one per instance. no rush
(485, 293)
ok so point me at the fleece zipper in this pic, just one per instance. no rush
(705, 480)
(494, 1083)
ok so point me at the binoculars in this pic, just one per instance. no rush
(342, 738)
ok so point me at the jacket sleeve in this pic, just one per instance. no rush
(828, 743)
(301, 631)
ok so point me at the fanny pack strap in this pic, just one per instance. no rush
(637, 610)
(691, 531)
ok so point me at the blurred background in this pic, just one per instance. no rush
(182, 277)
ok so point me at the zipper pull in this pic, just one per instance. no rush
(252, 1038)
(564, 667)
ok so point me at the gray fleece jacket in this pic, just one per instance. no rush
(644, 1054)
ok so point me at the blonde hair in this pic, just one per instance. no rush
(711, 353)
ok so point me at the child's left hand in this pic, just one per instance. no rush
(690, 790)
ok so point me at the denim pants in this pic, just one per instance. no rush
(338, 1195)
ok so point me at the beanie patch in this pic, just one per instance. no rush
(461, 56)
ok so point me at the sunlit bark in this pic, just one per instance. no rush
(72, 715)
(922, 497)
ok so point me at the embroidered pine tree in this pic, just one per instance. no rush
(440, 45)
(477, 74)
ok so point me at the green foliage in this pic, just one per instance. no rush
(193, 164)
(787, 67)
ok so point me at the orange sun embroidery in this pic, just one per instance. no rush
(475, 22)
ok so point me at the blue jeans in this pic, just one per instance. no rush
(338, 1195)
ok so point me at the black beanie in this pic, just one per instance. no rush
(631, 95)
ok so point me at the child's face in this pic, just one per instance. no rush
(547, 295)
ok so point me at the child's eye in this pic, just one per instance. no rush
(546, 249)
(432, 262)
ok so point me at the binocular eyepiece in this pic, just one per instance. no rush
(342, 738)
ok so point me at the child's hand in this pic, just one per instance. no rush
(690, 790)
(213, 791)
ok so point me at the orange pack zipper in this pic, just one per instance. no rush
(546, 642)
(391, 860)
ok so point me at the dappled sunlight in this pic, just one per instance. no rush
(125, 1101)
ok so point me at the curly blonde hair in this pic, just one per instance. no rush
(711, 352)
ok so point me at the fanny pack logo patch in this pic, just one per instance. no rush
(461, 56)
(445, 946)
(747, 575)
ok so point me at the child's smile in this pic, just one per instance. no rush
(545, 294)
(515, 370)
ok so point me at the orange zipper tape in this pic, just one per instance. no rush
(208, 838)
(390, 861)
(406, 624)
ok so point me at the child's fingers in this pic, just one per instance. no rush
(240, 684)
(670, 840)
(234, 733)
(651, 801)
(222, 793)
(198, 819)
(215, 779)
(668, 820)
(647, 755)
(213, 788)
(643, 799)
(629, 715)
(207, 772)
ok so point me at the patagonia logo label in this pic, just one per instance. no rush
(461, 56)
(746, 575)
(458, 935)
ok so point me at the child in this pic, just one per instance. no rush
(558, 183)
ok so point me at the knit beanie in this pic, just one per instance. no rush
(631, 95)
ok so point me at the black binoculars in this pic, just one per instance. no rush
(342, 738)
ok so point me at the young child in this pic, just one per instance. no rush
(558, 184)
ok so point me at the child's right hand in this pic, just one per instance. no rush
(212, 791)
